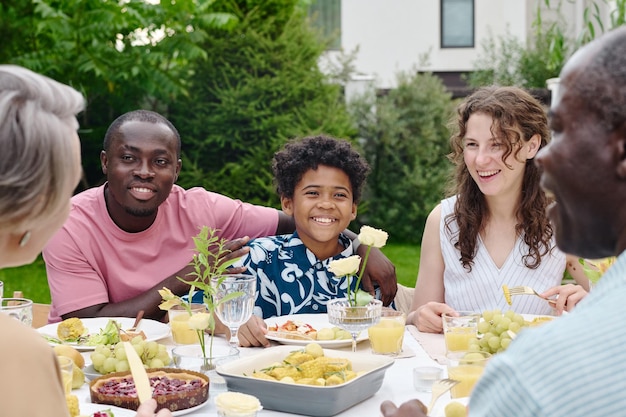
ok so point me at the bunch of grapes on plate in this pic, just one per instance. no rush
(112, 358)
(496, 330)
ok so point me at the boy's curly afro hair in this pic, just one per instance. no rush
(300, 155)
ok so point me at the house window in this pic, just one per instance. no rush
(457, 23)
(326, 17)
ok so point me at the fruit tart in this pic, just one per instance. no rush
(174, 389)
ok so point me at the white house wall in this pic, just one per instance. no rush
(392, 34)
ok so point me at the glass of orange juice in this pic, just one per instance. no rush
(459, 329)
(181, 332)
(466, 367)
(67, 372)
(387, 335)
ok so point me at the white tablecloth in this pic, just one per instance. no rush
(397, 385)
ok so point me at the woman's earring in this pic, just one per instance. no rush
(25, 238)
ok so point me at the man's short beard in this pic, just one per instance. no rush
(147, 212)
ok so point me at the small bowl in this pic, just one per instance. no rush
(236, 404)
(425, 376)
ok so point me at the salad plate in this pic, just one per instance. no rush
(316, 321)
(154, 330)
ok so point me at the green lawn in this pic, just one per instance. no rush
(406, 258)
(31, 279)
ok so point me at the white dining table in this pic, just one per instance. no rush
(397, 385)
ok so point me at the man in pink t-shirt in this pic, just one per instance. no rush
(133, 235)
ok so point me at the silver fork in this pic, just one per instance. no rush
(439, 388)
(524, 290)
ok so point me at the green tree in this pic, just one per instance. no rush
(405, 138)
(259, 87)
(121, 55)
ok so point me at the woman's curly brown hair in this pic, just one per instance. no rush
(299, 156)
(517, 116)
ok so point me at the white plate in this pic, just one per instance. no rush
(440, 407)
(154, 330)
(188, 410)
(90, 372)
(88, 409)
(318, 322)
(530, 317)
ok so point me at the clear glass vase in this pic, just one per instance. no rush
(191, 357)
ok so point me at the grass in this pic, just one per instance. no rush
(31, 279)
(406, 258)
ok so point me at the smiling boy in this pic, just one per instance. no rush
(319, 180)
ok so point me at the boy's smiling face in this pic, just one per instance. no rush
(322, 207)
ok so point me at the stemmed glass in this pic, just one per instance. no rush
(353, 319)
(234, 299)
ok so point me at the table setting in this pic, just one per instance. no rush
(395, 373)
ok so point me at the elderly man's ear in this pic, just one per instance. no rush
(620, 150)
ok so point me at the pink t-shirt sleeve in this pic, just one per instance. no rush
(234, 218)
(74, 284)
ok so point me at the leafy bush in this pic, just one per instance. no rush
(507, 61)
(259, 87)
(405, 138)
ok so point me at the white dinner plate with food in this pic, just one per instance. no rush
(87, 409)
(317, 322)
(536, 320)
(154, 330)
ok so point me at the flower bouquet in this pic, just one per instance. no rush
(209, 271)
(359, 310)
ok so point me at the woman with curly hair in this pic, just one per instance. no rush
(319, 180)
(493, 229)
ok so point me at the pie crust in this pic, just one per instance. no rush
(174, 389)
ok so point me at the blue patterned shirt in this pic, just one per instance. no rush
(574, 366)
(290, 278)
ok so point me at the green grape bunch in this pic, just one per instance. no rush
(496, 330)
(112, 358)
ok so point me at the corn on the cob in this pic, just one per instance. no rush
(263, 375)
(507, 294)
(301, 368)
(72, 405)
(281, 372)
(297, 358)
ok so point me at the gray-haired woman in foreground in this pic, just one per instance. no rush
(39, 169)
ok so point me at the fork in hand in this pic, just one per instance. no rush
(440, 387)
(524, 290)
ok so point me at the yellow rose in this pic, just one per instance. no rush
(199, 321)
(166, 294)
(169, 299)
(373, 237)
(166, 305)
(345, 266)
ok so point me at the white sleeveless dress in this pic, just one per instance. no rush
(481, 289)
